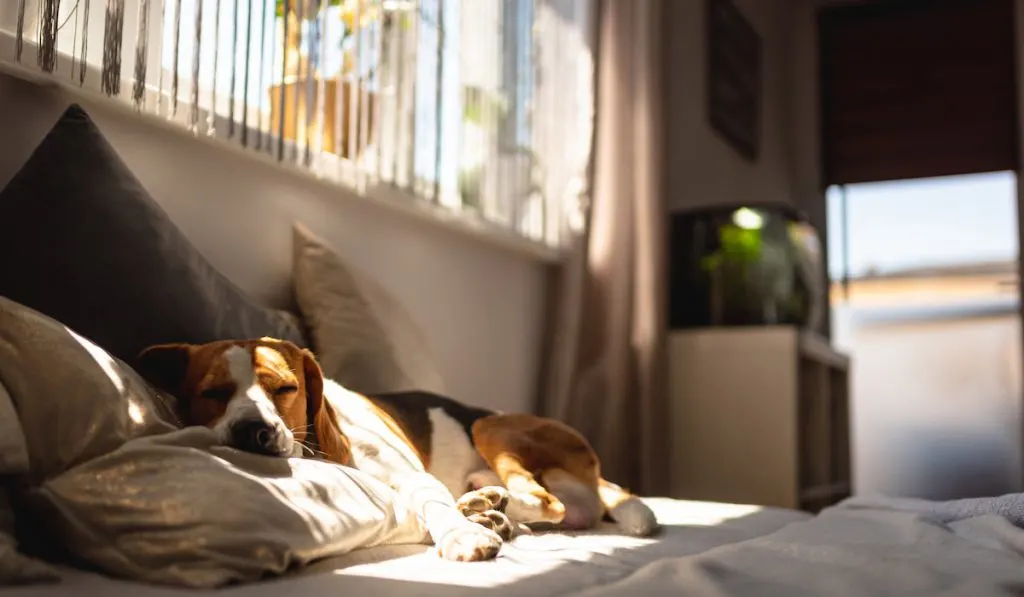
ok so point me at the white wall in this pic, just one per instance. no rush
(702, 168)
(480, 305)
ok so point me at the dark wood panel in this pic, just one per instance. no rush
(917, 88)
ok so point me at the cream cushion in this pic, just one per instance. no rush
(363, 337)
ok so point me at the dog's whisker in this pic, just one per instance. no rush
(312, 452)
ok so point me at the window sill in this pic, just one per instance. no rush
(385, 195)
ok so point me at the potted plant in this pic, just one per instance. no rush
(297, 74)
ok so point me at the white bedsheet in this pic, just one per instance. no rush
(537, 566)
(852, 550)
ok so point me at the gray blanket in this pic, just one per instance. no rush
(1010, 507)
(862, 547)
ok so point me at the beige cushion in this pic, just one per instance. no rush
(179, 509)
(363, 336)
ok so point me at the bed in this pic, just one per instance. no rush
(863, 546)
(874, 548)
(553, 564)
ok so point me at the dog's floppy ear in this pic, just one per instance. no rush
(164, 365)
(333, 443)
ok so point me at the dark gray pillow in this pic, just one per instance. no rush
(84, 243)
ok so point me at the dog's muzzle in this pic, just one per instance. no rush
(260, 437)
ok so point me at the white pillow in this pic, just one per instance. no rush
(179, 509)
(363, 337)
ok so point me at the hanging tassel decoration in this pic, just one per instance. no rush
(160, 59)
(321, 90)
(234, 72)
(19, 40)
(141, 56)
(311, 57)
(245, 79)
(264, 44)
(177, 58)
(113, 35)
(284, 78)
(48, 23)
(193, 112)
(297, 79)
(211, 114)
(82, 64)
(439, 96)
(74, 39)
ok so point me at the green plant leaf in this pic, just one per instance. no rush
(279, 7)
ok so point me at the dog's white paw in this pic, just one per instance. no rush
(469, 543)
(482, 500)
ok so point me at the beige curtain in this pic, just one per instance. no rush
(604, 367)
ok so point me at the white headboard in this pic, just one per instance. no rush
(480, 304)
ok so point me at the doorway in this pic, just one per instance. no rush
(924, 293)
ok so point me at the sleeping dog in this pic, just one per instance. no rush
(511, 470)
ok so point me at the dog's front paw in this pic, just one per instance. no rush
(483, 500)
(469, 543)
(494, 520)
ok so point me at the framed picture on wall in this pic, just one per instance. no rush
(734, 77)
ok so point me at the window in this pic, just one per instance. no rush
(482, 107)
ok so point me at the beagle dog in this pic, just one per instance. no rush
(510, 471)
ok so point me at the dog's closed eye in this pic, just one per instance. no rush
(284, 390)
(220, 394)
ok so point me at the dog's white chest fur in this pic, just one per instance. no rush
(376, 450)
(452, 455)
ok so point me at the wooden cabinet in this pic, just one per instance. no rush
(760, 415)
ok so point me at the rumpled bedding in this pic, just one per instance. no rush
(862, 547)
(180, 509)
(715, 550)
(93, 464)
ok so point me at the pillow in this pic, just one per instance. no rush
(179, 509)
(363, 337)
(85, 244)
(15, 568)
(100, 471)
(74, 401)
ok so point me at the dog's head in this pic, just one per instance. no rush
(260, 396)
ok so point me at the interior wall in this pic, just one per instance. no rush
(480, 305)
(701, 167)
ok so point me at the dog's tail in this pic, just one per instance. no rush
(629, 512)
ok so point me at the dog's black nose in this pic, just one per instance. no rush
(255, 436)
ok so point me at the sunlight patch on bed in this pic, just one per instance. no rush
(428, 568)
(702, 514)
(526, 557)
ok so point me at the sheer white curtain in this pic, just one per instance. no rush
(605, 370)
